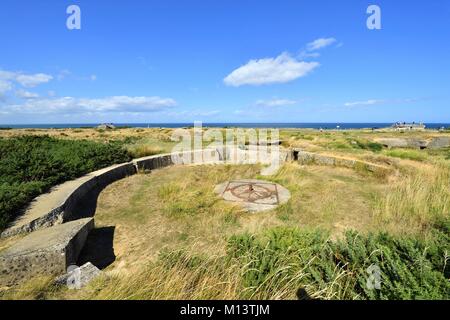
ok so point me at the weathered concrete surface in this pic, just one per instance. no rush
(270, 156)
(439, 142)
(56, 206)
(402, 142)
(47, 209)
(111, 174)
(433, 143)
(45, 252)
(153, 162)
(205, 156)
(79, 277)
(266, 143)
(304, 157)
(253, 195)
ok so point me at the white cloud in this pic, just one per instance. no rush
(194, 113)
(70, 105)
(26, 94)
(275, 102)
(320, 43)
(363, 103)
(8, 78)
(306, 55)
(33, 80)
(63, 74)
(7, 75)
(67, 74)
(381, 101)
(5, 86)
(281, 69)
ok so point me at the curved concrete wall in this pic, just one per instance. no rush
(59, 242)
(58, 205)
(304, 157)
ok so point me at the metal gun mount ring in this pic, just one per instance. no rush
(253, 195)
(252, 192)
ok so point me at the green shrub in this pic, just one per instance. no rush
(30, 165)
(415, 155)
(290, 257)
(367, 145)
(358, 144)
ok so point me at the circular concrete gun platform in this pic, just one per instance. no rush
(253, 195)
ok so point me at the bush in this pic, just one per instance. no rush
(31, 165)
(294, 258)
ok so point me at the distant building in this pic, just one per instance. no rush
(403, 126)
(106, 126)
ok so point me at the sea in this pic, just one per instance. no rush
(330, 125)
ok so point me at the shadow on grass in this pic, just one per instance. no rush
(302, 294)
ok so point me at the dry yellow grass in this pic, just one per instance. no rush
(142, 150)
(417, 200)
(160, 211)
(176, 209)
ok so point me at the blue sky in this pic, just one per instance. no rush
(224, 61)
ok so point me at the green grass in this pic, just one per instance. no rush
(30, 165)
(349, 143)
(143, 150)
(290, 258)
(149, 146)
(280, 263)
(415, 155)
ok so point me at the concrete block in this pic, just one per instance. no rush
(45, 252)
(78, 277)
(439, 142)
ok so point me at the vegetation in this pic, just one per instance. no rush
(281, 263)
(415, 155)
(290, 258)
(30, 165)
(417, 201)
(143, 150)
(175, 239)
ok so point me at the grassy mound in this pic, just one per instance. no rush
(30, 165)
